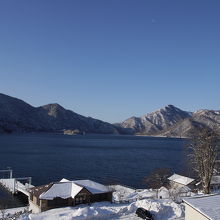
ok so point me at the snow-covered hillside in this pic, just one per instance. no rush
(163, 209)
(171, 121)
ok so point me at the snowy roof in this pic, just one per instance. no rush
(63, 190)
(207, 205)
(163, 189)
(181, 179)
(92, 186)
(215, 180)
(64, 180)
(69, 189)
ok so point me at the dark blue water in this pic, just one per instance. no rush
(103, 158)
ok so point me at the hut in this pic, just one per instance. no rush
(67, 193)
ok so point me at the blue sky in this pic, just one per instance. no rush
(111, 59)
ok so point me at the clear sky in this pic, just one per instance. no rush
(111, 59)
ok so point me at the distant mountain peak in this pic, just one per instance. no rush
(155, 122)
(166, 108)
(54, 106)
(171, 108)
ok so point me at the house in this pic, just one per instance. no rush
(215, 183)
(184, 191)
(163, 193)
(67, 193)
(202, 208)
(177, 181)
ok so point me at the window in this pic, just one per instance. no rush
(80, 199)
(56, 202)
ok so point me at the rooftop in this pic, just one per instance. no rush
(63, 190)
(68, 189)
(181, 179)
(92, 186)
(207, 205)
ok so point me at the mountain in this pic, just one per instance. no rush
(171, 121)
(18, 116)
(155, 122)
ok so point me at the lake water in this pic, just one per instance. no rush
(103, 158)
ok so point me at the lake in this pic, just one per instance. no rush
(102, 158)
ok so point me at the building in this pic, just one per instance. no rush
(163, 193)
(215, 183)
(67, 193)
(177, 181)
(202, 208)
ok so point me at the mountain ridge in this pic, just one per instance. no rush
(169, 121)
(19, 116)
(172, 122)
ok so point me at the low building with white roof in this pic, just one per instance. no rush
(163, 193)
(202, 208)
(177, 181)
(67, 193)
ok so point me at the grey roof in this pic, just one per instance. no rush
(207, 205)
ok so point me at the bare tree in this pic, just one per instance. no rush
(157, 178)
(203, 155)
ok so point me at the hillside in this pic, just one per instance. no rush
(18, 116)
(171, 121)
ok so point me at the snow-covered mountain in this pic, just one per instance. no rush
(171, 121)
(18, 116)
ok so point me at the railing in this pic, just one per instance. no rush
(14, 186)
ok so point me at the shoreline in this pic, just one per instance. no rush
(93, 134)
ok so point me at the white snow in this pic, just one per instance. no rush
(181, 179)
(64, 180)
(208, 205)
(63, 190)
(163, 209)
(126, 194)
(92, 186)
(8, 183)
(12, 211)
(66, 189)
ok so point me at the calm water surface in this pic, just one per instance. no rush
(103, 158)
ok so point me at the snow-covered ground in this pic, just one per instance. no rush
(10, 212)
(127, 201)
(122, 193)
(162, 209)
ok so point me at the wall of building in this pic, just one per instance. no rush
(34, 208)
(175, 184)
(192, 214)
